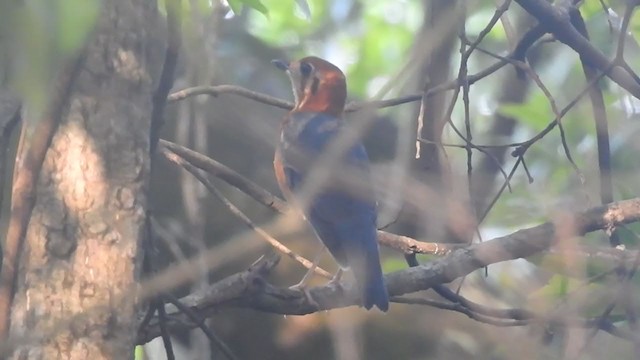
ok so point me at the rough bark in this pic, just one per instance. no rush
(82, 248)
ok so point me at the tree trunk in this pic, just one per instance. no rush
(82, 251)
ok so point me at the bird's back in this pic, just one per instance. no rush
(343, 211)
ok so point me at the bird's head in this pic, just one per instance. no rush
(318, 85)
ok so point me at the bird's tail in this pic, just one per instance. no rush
(368, 274)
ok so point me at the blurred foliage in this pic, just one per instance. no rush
(372, 41)
(384, 31)
(237, 5)
(139, 353)
(40, 35)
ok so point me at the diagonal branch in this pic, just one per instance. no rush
(262, 196)
(239, 214)
(556, 20)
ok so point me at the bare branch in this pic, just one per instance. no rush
(228, 175)
(556, 20)
(239, 214)
(230, 89)
(601, 125)
(246, 290)
(262, 196)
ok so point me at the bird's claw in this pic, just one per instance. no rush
(305, 291)
(335, 280)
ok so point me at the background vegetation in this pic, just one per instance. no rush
(498, 152)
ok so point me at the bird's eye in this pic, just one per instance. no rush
(305, 69)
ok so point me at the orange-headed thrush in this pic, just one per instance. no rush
(344, 220)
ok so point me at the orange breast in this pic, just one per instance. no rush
(281, 176)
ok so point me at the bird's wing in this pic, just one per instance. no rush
(340, 217)
(307, 135)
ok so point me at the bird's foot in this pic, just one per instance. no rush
(335, 281)
(302, 287)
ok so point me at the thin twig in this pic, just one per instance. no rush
(228, 175)
(230, 89)
(461, 309)
(164, 332)
(174, 36)
(554, 108)
(236, 212)
(262, 196)
(199, 321)
(624, 28)
(495, 198)
(625, 277)
(148, 316)
(595, 323)
(482, 149)
(601, 125)
(524, 146)
(556, 20)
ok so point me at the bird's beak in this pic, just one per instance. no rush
(281, 64)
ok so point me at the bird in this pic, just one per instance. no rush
(344, 215)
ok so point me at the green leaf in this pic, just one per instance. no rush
(75, 20)
(303, 5)
(236, 6)
(557, 287)
(393, 264)
(564, 265)
(139, 353)
(536, 112)
(477, 22)
(560, 288)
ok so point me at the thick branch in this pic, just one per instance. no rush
(556, 20)
(248, 290)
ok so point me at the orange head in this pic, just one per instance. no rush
(318, 85)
